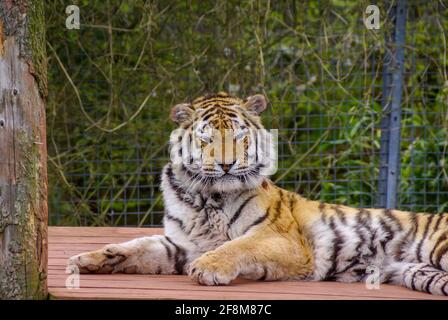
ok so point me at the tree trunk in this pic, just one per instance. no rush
(23, 155)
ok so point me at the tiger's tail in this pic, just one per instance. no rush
(418, 276)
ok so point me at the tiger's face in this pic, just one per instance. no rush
(221, 144)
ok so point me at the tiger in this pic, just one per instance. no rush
(224, 218)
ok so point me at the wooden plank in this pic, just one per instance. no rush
(77, 247)
(125, 286)
(184, 284)
(90, 240)
(103, 231)
(165, 294)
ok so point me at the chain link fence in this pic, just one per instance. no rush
(113, 81)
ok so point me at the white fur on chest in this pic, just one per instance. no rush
(201, 222)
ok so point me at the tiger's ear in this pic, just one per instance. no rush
(181, 113)
(256, 104)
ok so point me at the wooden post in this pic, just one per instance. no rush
(23, 169)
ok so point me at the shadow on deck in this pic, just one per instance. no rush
(67, 241)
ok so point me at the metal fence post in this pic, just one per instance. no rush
(391, 104)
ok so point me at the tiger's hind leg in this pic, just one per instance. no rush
(418, 276)
(437, 250)
(423, 240)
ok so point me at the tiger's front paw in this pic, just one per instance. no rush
(100, 261)
(211, 270)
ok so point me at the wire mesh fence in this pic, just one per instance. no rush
(114, 80)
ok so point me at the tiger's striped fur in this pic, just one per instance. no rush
(220, 226)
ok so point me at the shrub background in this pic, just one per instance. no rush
(113, 82)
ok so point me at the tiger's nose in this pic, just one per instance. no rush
(226, 166)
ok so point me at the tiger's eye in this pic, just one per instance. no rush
(241, 134)
(205, 139)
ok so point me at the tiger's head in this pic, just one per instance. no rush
(220, 143)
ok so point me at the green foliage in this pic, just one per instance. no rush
(315, 61)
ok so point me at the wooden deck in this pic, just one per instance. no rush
(67, 241)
